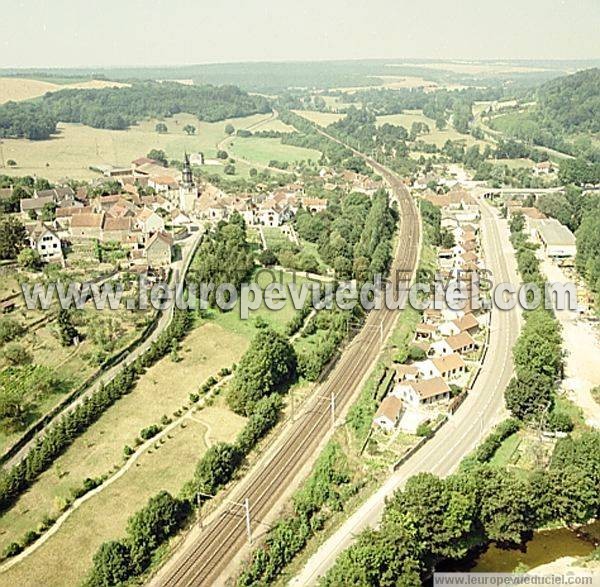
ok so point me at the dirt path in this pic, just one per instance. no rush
(582, 347)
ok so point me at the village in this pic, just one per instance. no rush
(157, 207)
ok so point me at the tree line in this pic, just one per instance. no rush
(433, 520)
(58, 437)
(120, 108)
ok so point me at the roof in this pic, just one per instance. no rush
(38, 229)
(116, 223)
(163, 180)
(460, 341)
(389, 408)
(145, 213)
(428, 388)
(142, 160)
(159, 237)
(403, 370)
(553, 233)
(533, 213)
(36, 203)
(467, 322)
(426, 328)
(69, 211)
(87, 221)
(448, 363)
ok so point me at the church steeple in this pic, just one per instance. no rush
(187, 179)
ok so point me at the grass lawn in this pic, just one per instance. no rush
(275, 237)
(263, 150)
(104, 516)
(77, 147)
(278, 319)
(505, 454)
(164, 388)
(514, 163)
(320, 118)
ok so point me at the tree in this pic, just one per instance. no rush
(10, 329)
(267, 258)
(189, 129)
(216, 467)
(267, 366)
(13, 237)
(528, 394)
(152, 525)
(253, 172)
(229, 129)
(29, 259)
(222, 154)
(68, 332)
(11, 163)
(159, 156)
(229, 169)
(111, 564)
(161, 128)
(49, 211)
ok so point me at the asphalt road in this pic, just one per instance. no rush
(483, 408)
(209, 555)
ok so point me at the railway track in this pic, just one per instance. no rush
(203, 561)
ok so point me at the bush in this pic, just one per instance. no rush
(560, 422)
(15, 354)
(150, 431)
(424, 430)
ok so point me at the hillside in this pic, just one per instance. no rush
(572, 103)
(119, 108)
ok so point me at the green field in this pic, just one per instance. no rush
(77, 147)
(262, 151)
(406, 119)
(320, 118)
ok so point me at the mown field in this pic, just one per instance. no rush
(162, 390)
(67, 556)
(263, 151)
(77, 147)
(16, 89)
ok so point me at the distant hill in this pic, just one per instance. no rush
(119, 108)
(571, 103)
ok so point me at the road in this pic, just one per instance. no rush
(180, 268)
(209, 555)
(483, 408)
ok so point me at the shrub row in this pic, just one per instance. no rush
(72, 424)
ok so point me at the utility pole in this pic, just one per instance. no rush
(332, 409)
(248, 527)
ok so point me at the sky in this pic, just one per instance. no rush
(80, 33)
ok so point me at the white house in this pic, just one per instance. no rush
(45, 241)
(420, 393)
(149, 222)
(388, 413)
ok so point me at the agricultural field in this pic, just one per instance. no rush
(263, 150)
(320, 118)
(16, 89)
(406, 119)
(77, 147)
(104, 516)
(162, 390)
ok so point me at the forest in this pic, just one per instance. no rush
(119, 108)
